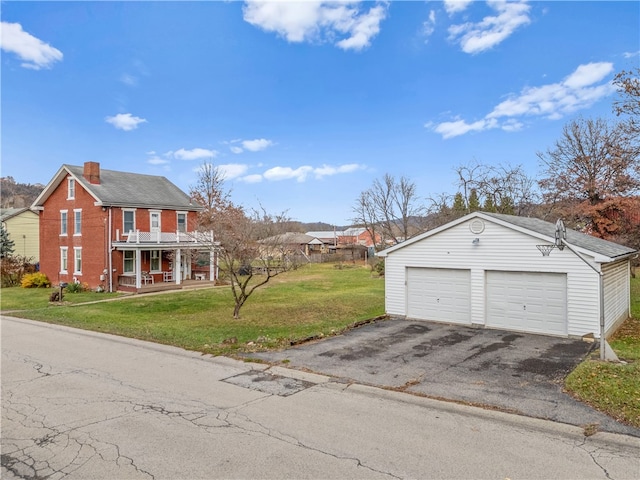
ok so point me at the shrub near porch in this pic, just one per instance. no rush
(316, 300)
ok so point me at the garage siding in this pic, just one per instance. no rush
(616, 293)
(498, 248)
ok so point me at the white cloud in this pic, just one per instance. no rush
(588, 74)
(155, 160)
(317, 20)
(429, 26)
(286, 173)
(34, 52)
(195, 154)
(460, 127)
(252, 145)
(232, 170)
(125, 121)
(301, 174)
(254, 178)
(455, 6)
(327, 170)
(577, 91)
(257, 144)
(631, 54)
(129, 80)
(492, 30)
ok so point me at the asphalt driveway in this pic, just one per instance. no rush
(516, 372)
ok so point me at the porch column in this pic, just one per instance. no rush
(211, 265)
(178, 264)
(138, 269)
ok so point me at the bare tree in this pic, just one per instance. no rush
(392, 208)
(505, 188)
(628, 103)
(252, 251)
(243, 259)
(593, 160)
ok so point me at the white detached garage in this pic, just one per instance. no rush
(485, 269)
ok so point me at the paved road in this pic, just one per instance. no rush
(84, 405)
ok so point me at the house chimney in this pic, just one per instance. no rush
(92, 172)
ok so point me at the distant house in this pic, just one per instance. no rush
(290, 243)
(23, 228)
(119, 231)
(333, 239)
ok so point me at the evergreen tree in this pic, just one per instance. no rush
(489, 206)
(459, 205)
(506, 205)
(474, 201)
(6, 244)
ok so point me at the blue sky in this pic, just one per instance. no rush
(303, 104)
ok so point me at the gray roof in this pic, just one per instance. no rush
(123, 189)
(290, 238)
(578, 239)
(7, 213)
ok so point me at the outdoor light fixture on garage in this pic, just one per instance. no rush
(476, 241)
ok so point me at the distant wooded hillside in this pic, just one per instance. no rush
(17, 195)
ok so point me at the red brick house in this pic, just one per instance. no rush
(120, 231)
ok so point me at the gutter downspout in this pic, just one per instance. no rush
(110, 256)
(606, 353)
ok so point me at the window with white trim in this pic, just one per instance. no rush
(77, 221)
(154, 265)
(128, 221)
(63, 222)
(129, 261)
(71, 188)
(154, 220)
(77, 260)
(64, 259)
(182, 222)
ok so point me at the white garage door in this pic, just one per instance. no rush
(439, 294)
(527, 301)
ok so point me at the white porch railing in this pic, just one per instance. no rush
(168, 237)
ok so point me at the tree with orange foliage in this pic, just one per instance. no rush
(591, 174)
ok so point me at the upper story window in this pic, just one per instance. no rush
(71, 188)
(154, 221)
(128, 221)
(77, 222)
(63, 222)
(182, 222)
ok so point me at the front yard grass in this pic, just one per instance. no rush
(614, 388)
(316, 300)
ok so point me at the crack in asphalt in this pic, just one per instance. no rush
(51, 451)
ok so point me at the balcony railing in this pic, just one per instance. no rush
(139, 237)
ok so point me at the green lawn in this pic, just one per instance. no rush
(614, 388)
(312, 301)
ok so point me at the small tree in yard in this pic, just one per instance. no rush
(6, 244)
(243, 259)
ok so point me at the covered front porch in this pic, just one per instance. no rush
(156, 261)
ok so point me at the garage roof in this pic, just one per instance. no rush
(538, 228)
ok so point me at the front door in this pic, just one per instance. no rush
(185, 266)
